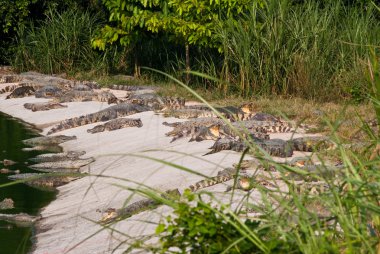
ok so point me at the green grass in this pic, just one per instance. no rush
(314, 49)
(61, 44)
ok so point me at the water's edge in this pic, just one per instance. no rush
(27, 199)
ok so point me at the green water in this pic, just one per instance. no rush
(29, 200)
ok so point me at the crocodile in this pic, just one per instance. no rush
(66, 164)
(188, 128)
(157, 102)
(112, 214)
(113, 112)
(43, 106)
(48, 141)
(10, 78)
(20, 219)
(6, 204)
(116, 124)
(9, 171)
(230, 113)
(223, 176)
(7, 162)
(274, 147)
(216, 131)
(131, 88)
(52, 148)
(83, 87)
(48, 91)
(41, 180)
(310, 144)
(75, 95)
(21, 91)
(52, 157)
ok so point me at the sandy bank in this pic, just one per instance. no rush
(68, 222)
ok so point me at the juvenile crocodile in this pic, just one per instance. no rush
(48, 141)
(66, 164)
(223, 176)
(274, 147)
(52, 148)
(20, 219)
(113, 112)
(157, 102)
(131, 88)
(6, 204)
(75, 95)
(83, 87)
(310, 144)
(21, 92)
(41, 180)
(216, 131)
(10, 79)
(43, 106)
(112, 214)
(52, 157)
(117, 124)
(188, 128)
(9, 171)
(231, 113)
(48, 91)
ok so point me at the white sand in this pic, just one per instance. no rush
(68, 222)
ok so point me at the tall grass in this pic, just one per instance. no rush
(314, 49)
(61, 43)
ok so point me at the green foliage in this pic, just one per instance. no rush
(191, 22)
(202, 230)
(61, 43)
(307, 50)
(14, 13)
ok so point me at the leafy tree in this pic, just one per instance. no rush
(185, 22)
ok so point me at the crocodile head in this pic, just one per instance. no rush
(245, 183)
(247, 108)
(109, 215)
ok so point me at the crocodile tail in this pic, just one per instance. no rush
(209, 182)
(8, 89)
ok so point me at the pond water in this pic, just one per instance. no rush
(29, 200)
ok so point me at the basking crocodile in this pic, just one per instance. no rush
(156, 102)
(52, 157)
(216, 131)
(20, 219)
(188, 128)
(41, 180)
(310, 144)
(7, 162)
(48, 91)
(48, 141)
(21, 92)
(131, 88)
(274, 147)
(82, 87)
(6, 204)
(75, 95)
(66, 164)
(231, 113)
(52, 148)
(43, 106)
(223, 176)
(9, 171)
(113, 112)
(116, 124)
(112, 214)
(10, 79)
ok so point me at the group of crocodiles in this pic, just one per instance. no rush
(241, 128)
